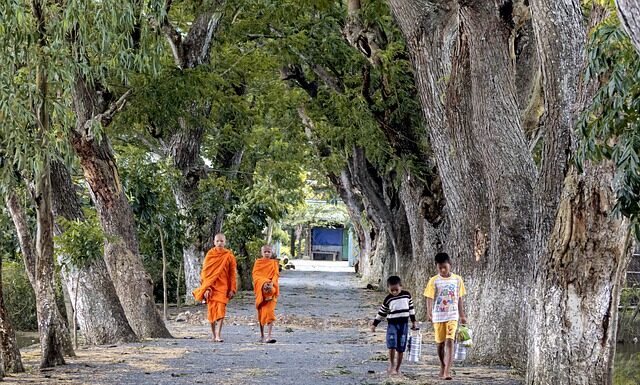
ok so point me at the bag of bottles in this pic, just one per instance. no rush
(414, 345)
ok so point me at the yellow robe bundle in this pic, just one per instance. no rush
(218, 275)
(265, 271)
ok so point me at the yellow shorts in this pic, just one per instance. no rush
(445, 330)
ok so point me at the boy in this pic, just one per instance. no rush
(265, 285)
(444, 294)
(217, 284)
(397, 307)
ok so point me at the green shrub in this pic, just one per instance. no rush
(19, 297)
(627, 369)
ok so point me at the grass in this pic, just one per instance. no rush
(627, 369)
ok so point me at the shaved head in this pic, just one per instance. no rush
(266, 251)
(219, 241)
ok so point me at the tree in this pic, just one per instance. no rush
(496, 194)
(81, 49)
(80, 255)
(35, 115)
(360, 116)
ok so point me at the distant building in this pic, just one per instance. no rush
(326, 233)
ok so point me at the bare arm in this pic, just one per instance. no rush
(429, 309)
(463, 316)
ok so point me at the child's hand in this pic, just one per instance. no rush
(207, 293)
(373, 329)
(414, 325)
(463, 320)
(231, 294)
(429, 317)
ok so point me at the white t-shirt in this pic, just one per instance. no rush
(445, 293)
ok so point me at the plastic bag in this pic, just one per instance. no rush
(465, 336)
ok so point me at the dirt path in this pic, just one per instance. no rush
(322, 339)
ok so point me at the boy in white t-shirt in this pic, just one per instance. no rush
(444, 294)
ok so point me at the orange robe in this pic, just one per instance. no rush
(219, 275)
(264, 271)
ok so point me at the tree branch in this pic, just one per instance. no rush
(25, 238)
(106, 117)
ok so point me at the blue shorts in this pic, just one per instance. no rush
(397, 335)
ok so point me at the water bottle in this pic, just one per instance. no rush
(415, 345)
(460, 352)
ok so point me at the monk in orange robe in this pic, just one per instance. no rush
(265, 286)
(217, 284)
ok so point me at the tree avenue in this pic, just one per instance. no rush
(503, 133)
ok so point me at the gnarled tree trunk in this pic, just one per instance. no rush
(185, 152)
(185, 142)
(92, 293)
(578, 284)
(122, 256)
(581, 247)
(427, 230)
(482, 159)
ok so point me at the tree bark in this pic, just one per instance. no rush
(509, 174)
(482, 158)
(578, 284)
(27, 246)
(185, 142)
(629, 14)
(132, 283)
(185, 152)
(560, 38)
(581, 246)
(48, 313)
(427, 230)
(383, 206)
(164, 274)
(10, 354)
(93, 296)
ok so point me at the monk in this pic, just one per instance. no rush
(265, 286)
(217, 284)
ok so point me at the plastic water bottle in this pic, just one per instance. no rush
(460, 353)
(415, 345)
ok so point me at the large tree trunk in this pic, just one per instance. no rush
(9, 352)
(185, 152)
(185, 142)
(482, 158)
(578, 284)
(383, 205)
(427, 230)
(581, 247)
(629, 14)
(92, 293)
(509, 174)
(131, 281)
